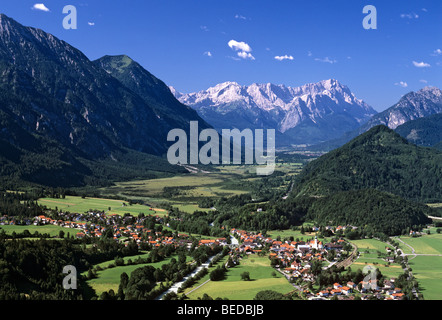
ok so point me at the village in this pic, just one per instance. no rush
(294, 259)
(121, 228)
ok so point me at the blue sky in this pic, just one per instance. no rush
(188, 43)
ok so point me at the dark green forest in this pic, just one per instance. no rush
(425, 131)
(383, 212)
(379, 159)
(32, 269)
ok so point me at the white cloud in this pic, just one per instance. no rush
(309, 53)
(204, 28)
(245, 55)
(437, 52)
(242, 46)
(91, 23)
(409, 15)
(243, 49)
(421, 64)
(326, 59)
(423, 81)
(208, 53)
(402, 84)
(41, 7)
(238, 16)
(424, 9)
(286, 57)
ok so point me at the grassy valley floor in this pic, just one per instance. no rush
(234, 288)
(109, 278)
(81, 205)
(368, 249)
(425, 259)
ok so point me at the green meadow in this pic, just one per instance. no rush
(425, 244)
(428, 272)
(222, 181)
(82, 205)
(106, 264)
(234, 288)
(426, 269)
(368, 249)
(296, 234)
(110, 278)
(370, 244)
(198, 184)
(52, 230)
(191, 188)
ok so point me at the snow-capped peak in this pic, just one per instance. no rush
(284, 108)
(269, 96)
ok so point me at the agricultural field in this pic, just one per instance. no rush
(184, 191)
(426, 262)
(52, 230)
(188, 207)
(289, 168)
(110, 278)
(428, 272)
(187, 189)
(368, 249)
(104, 265)
(425, 244)
(234, 288)
(371, 244)
(199, 183)
(296, 234)
(82, 205)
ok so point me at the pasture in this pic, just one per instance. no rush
(109, 278)
(77, 204)
(368, 249)
(296, 234)
(427, 264)
(425, 244)
(185, 190)
(234, 288)
(370, 244)
(52, 230)
(427, 270)
(155, 187)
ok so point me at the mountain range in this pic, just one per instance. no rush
(320, 116)
(307, 114)
(61, 112)
(412, 106)
(69, 121)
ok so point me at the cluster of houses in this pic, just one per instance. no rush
(7, 220)
(294, 257)
(96, 223)
(74, 221)
(367, 289)
(249, 242)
